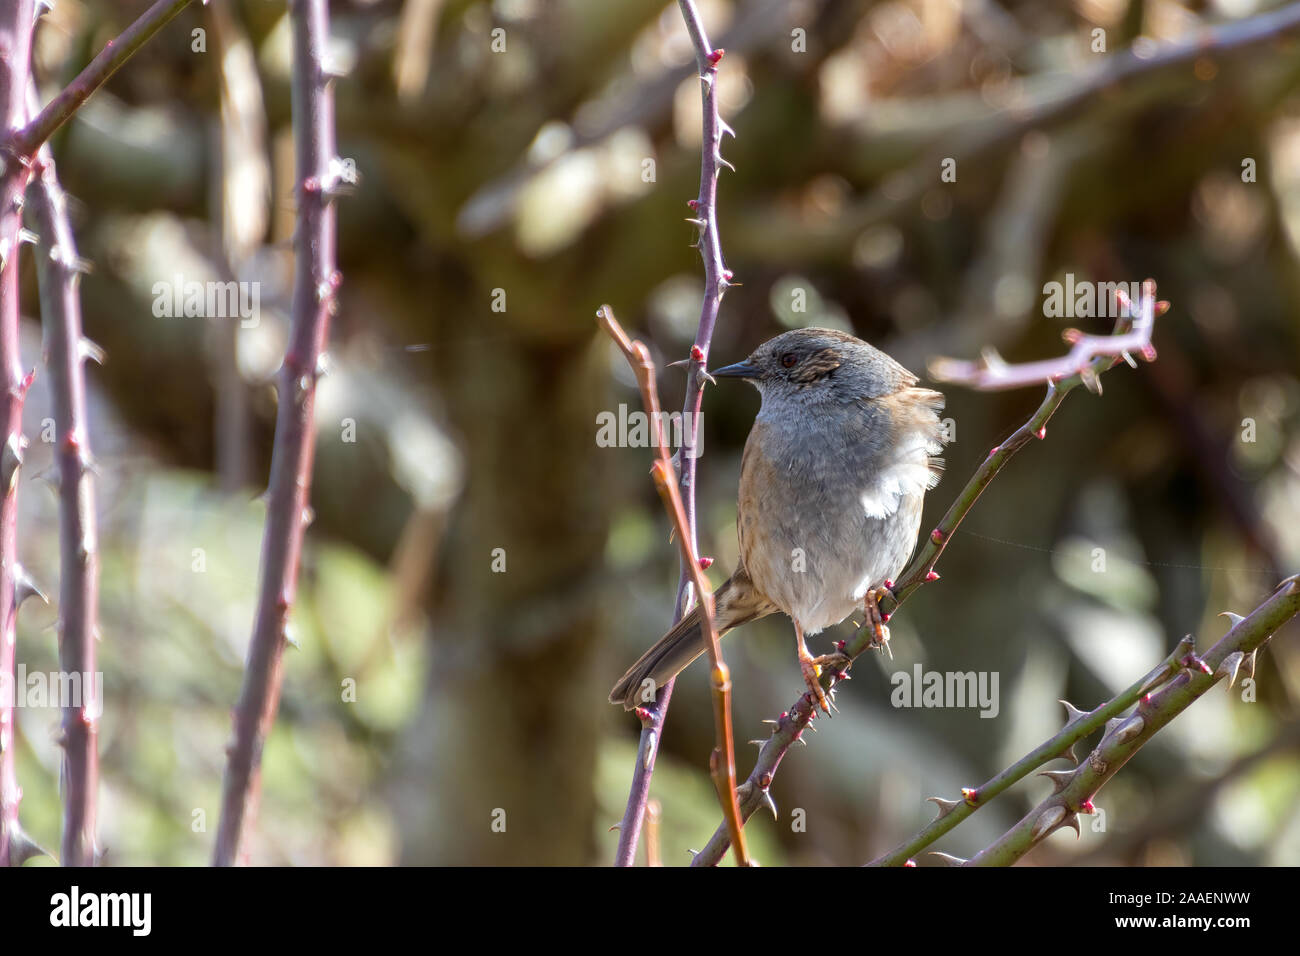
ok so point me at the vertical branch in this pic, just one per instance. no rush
(722, 763)
(716, 281)
(16, 18)
(315, 292)
(58, 270)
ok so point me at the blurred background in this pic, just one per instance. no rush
(481, 569)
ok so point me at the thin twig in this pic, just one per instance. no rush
(66, 350)
(722, 764)
(116, 52)
(991, 373)
(1074, 791)
(315, 294)
(716, 280)
(15, 41)
(790, 726)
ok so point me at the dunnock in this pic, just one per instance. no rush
(831, 485)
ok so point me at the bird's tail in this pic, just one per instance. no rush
(735, 603)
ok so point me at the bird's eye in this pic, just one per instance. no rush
(788, 359)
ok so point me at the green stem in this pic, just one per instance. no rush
(1125, 737)
(951, 813)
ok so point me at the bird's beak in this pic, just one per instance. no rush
(739, 370)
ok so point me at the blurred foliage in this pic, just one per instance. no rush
(556, 171)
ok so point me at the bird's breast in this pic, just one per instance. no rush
(826, 511)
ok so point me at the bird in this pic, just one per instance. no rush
(832, 481)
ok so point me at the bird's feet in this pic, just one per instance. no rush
(876, 620)
(811, 667)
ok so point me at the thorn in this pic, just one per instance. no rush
(1230, 666)
(1248, 665)
(291, 638)
(617, 827)
(1067, 753)
(724, 129)
(651, 744)
(1073, 821)
(11, 459)
(1233, 619)
(1060, 778)
(758, 743)
(1112, 725)
(771, 805)
(25, 587)
(51, 477)
(947, 859)
(22, 847)
(1132, 362)
(945, 806)
(92, 351)
(723, 162)
(1072, 713)
(26, 235)
(699, 224)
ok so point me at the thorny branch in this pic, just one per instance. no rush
(716, 281)
(315, 290)
(15, 63)
(26, 131)
(116, 52)
(722, 763)
(1074, 790)
(1061, 380)
(1078, 726)
(59, 272)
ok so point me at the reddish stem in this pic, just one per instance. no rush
(314, 295)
